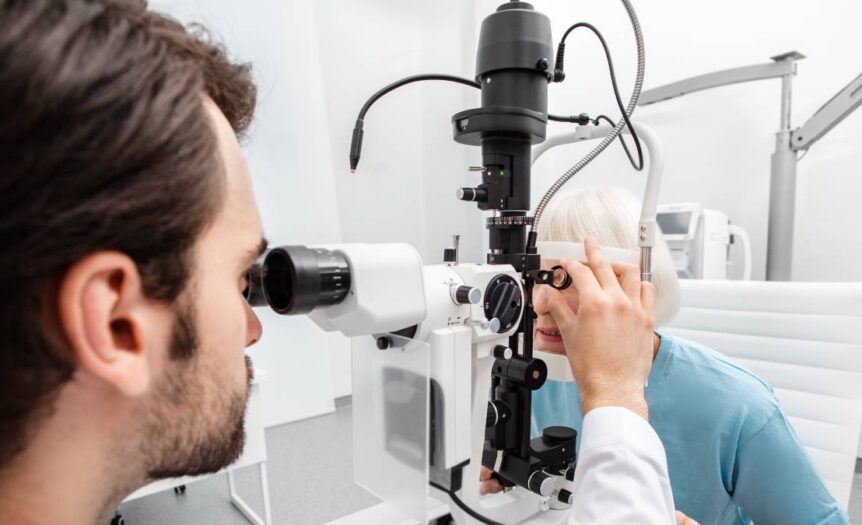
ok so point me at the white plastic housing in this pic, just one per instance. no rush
(457, 334)
(386, 291)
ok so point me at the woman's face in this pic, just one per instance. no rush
(546, 335)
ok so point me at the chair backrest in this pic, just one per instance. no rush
(804, 339)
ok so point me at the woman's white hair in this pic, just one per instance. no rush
(611, 217)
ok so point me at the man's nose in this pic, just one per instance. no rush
(255, 329)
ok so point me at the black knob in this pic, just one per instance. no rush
(472, 194)
(503, 300)
(467, 295)
(530, 373)
(502, 352)
(570, 474)
(450, 255)
(383, 343)
(540, 483)
(498, 412)
(565, 496)
(555, 435)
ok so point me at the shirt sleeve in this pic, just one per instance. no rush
(621, 476)
(775, 481)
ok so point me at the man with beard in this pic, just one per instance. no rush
(127, 222)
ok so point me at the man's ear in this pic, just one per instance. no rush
(104, 316)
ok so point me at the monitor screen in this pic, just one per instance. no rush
(674, 223)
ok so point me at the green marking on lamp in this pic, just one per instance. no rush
(502, 173)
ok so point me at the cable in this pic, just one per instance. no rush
(607, 140)
(409, 80)
(583, 119)
(356, 141)
(463, 506)
(639, 165)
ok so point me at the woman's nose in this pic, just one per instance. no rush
(541, 303)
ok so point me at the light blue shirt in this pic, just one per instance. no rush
(732, 455)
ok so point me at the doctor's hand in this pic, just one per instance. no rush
(609, 339)
(682, 519)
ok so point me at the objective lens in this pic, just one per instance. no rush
(562, 279)
(297, 279)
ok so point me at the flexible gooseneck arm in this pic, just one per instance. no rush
(647, 224)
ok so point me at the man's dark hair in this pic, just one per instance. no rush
(104, 145)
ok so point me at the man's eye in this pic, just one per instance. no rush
(250, 283)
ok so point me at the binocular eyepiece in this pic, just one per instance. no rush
(294, 280)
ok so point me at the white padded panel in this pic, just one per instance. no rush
(831, 410)
(828, 328)
(777, 297)
(831, 356)
(805, 340)
(826, 437)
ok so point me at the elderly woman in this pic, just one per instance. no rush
(732, 455)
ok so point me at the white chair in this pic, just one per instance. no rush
(804, 339)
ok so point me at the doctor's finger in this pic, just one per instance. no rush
(630, 278)
(601, 267)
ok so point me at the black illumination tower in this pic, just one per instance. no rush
(514, 65)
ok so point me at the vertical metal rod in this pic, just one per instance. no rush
(782, 196)
(786, 94)
(646, 264)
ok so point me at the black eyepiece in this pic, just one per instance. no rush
(296, 279)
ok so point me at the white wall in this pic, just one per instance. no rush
(718, 143)
(315, 63)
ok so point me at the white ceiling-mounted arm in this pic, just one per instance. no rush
(652, 144)
(827, 117)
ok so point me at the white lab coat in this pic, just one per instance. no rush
(622, 476)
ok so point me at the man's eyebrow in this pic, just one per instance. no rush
(255, 253)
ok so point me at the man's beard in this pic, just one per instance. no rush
(197, 425)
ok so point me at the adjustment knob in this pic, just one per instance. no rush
(463, 294)
(450, 255)
(541, 483)
(559, 435)
(472, 194)
(503, 301)
(565, 496)
(502, 352)
(498, 413)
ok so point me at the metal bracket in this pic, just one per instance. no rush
(828, 116)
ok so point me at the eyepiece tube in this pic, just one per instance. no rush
(296, 279)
